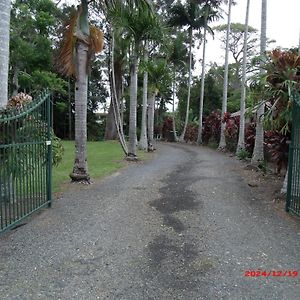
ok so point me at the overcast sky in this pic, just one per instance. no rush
(282, 24)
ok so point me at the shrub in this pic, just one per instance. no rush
(276, 145)
(191, 134)
(231, 131)
(212, 128)
(243, 154)
(250, 137)
(167, 129)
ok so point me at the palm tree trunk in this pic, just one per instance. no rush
(199, 140)
(258, 152)
(143, 138)
(4, 50)
(70, 109)
(181, 138)
(241, 140)
(173, 109)
(151, 111)
(133, 106)
(80, 170)
(222, 144)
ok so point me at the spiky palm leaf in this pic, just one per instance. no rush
(66, 59)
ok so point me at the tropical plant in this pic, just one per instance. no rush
(187, 15)
(211, 128)
(139, 23)
(159, 80)
(80, 42)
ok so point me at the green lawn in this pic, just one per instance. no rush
(104, 158)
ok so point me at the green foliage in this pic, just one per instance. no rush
(243, 154)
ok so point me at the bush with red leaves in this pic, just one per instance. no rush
(212, 128)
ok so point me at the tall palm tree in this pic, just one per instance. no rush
(258, 152)
(138, 21)
(4, 50)
(159, 79)
(143, 143)
(222, 144)
(209, 14)
(241, 140)
(177, 56)
(86, 40)
(187, 15)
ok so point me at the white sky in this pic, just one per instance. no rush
(283, 24)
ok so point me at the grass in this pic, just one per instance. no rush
(104, 158)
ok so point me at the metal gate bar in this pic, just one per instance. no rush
(293, 187)
(25, 160)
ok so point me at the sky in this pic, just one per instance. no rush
(283, 24)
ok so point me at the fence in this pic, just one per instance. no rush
(293, 187)
(25, 160)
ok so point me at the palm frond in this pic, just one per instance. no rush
(65, 62)
(96, 39)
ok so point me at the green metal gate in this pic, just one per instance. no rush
(25, 160)
(293, 187)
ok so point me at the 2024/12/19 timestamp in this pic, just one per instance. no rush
(272, 273)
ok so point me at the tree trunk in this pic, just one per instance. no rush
(133, 106)
(241, 140)
(4, 50)
(222, 144)
(15, 81)
(111, 132)
(151, 111)
(80, 170)
(173, 108)
(70, 109)
(258, 152)
(199, 139)
(181, 138)
(143, 138)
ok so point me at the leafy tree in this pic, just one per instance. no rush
(236, 45)
(33, 30)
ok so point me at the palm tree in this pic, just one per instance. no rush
(222, 144)
(159, 79)
(139, 23)
(209, 14)
(87, 40)
(189, 15)
(258, 152)
(4, 50)
(143, 143)
(177, 55)
(241, 140)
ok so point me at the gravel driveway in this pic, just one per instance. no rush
(181, 226)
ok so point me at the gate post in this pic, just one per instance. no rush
(49, 150)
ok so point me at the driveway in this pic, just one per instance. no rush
(181, 226)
